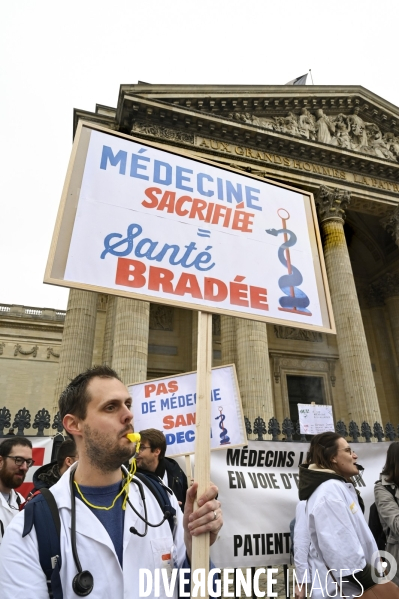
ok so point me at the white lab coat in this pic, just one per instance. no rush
(7, 513)
(21, 576)
(340, 537)
(301, 544)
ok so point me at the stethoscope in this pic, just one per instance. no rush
(83, 582)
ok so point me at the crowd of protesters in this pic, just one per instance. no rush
(115, 525)
(90, 525)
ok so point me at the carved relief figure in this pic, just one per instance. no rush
(378, 144)
(342, 132)
(325, 127)
(307, 124)
(392, 144)
(358, 129)
(345, 131)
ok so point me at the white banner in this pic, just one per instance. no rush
(258, 488)
(139, 220)
(169, 405)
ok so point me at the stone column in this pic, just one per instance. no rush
(360, 392)
(253, 370)
(130, 351)
(108, 346)
(385, 351)
(390, 289)
(76, 353)
(391, 281)
(228, 339)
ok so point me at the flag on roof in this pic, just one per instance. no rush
(298, 81)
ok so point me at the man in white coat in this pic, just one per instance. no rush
(15, 461)
(113, 541)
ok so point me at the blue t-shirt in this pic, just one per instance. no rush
(112, 520)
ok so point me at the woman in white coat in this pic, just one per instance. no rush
(342, 549)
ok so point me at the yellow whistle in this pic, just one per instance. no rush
(134, 437)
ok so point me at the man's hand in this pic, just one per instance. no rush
(207, 517)
(300, 593)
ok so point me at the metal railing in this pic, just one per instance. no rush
(289, 430)
(22, 422)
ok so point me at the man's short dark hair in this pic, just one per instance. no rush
(74, 398)
(156, 439)
(7, 445)
(67, 450)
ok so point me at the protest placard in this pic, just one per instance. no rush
(169, 405)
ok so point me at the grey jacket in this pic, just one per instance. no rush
(388, 510)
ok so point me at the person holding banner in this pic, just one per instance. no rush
(112, 527)
(343, 555)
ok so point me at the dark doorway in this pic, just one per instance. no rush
(304, 389)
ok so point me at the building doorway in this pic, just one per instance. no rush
(304, 389)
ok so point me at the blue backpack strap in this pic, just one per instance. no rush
(161, 494)
(42, 513)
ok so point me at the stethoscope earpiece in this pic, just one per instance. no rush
(83, 583)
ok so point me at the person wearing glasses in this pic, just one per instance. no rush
(342, 552)
(152, 459)
(15, 461)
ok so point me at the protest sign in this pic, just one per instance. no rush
(258, 489)
(159, 225)
(142, 222)
(315, 419)
(169, 405)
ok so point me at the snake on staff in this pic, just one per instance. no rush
(294, 298)
(224, 439)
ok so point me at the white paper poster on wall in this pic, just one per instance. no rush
(315, 419)
(143, 222)
(169, 405)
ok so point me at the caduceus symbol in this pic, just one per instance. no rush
(295, 300)
(224, 439)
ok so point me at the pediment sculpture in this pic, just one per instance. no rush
(347, 131)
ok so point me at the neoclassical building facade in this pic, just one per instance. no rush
(341, 144)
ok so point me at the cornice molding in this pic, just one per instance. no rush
(141, 112)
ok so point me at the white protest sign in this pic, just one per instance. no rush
(169, 405)
(258, 489)
(315, 419)
(156, 225)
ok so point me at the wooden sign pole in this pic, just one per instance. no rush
(200, 552)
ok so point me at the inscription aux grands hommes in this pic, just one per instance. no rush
(310, 167)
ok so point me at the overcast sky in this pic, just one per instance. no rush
(59, 55)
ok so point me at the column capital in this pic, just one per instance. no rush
(391, 224)
(331, 203)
